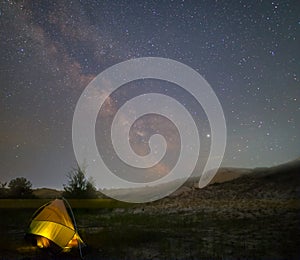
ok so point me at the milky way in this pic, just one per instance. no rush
(49, 52)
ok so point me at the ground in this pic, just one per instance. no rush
(256, 216)
(174, 228)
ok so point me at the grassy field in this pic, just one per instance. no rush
(75, 203)
(115, 230)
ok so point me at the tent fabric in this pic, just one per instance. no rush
(59, 234)
(56, 212)
(54, 223)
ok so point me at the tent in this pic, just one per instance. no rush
(52, 227)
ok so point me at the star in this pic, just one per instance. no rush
(249, 55)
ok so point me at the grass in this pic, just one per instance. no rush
(114, 231)
(75, 203)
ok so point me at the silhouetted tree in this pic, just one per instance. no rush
(78, 186)
(3, 189)
(20, 188)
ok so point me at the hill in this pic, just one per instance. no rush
(46, 193)
(277, 184)
(285, 175)
(229, 182)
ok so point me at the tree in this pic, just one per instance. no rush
(78, 186)
(3, 189)
(20, 188)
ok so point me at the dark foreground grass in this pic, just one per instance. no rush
(180, 236)
(120, 233)
(75, 203)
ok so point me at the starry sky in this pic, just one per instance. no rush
(248, 51)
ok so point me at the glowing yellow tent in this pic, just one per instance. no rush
(52, 224)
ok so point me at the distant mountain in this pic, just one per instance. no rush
(230, 182)
(46, 193)
(255, 193)
(292, 167)
(229, 173)
(283, 171)
(282, 181)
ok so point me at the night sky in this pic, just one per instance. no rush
(248, 51)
